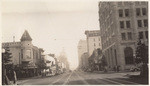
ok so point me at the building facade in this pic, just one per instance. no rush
(82, 48)
(93, 40)
(24, 53)
(84, 61)
(121, 25)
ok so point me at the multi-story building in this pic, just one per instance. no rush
(121, 24)
(84, 61)
(93, 41)
(82, 48)
(23, 53)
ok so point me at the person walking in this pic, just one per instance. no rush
(15, 77)
(12, 76)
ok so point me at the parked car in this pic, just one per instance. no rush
(133, 69)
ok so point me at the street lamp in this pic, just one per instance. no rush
(3, 67)
(3, 50)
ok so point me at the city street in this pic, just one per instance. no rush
(82, 78)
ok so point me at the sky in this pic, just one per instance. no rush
(53, 25)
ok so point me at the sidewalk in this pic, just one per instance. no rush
(124, 73)
(21, 80)
(30, 77)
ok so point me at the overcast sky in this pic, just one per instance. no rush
(52, 24)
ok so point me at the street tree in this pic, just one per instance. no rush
(6, 56)
(41, 64)
(6, 59)
(142, 57)
(104, 63)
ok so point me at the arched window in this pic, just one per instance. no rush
(128, 52)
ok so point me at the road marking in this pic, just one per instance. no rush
(82, 79)
(113, 81)
(67, 79)
(57, 80)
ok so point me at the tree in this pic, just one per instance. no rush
(41, 64)
(6, 59)
(103, 61)
(6, 56)
(142, 57)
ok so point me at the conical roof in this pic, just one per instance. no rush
(26, 36)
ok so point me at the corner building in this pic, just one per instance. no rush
(24, 53)
(121, 25)
(93, 40)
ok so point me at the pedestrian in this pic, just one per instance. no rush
(7, 81)
(15, 77)
(12, 76)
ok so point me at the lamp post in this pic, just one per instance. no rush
(3, 67)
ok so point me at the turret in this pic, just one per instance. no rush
(26, 47)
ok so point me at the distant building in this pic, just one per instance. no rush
(82, 48)
(121, 24)
(24, 53)
(93, 41)
(63, 58)
(84, 61)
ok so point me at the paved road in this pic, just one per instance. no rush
(81, 78)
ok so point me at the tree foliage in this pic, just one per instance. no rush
(142, 57)
(141, 53)
(41, 64)
(103, 61)
(6, 56)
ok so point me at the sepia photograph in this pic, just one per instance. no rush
(74, 42)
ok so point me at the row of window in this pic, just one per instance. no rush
(141, 3)
(94, 34)
(95, 44)
(129, 3)
(141, 35)
(129, 36)
(142, 23)
(141, 12)
(94, 39)
(126, 13)
(122, 24)
(11, 43)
